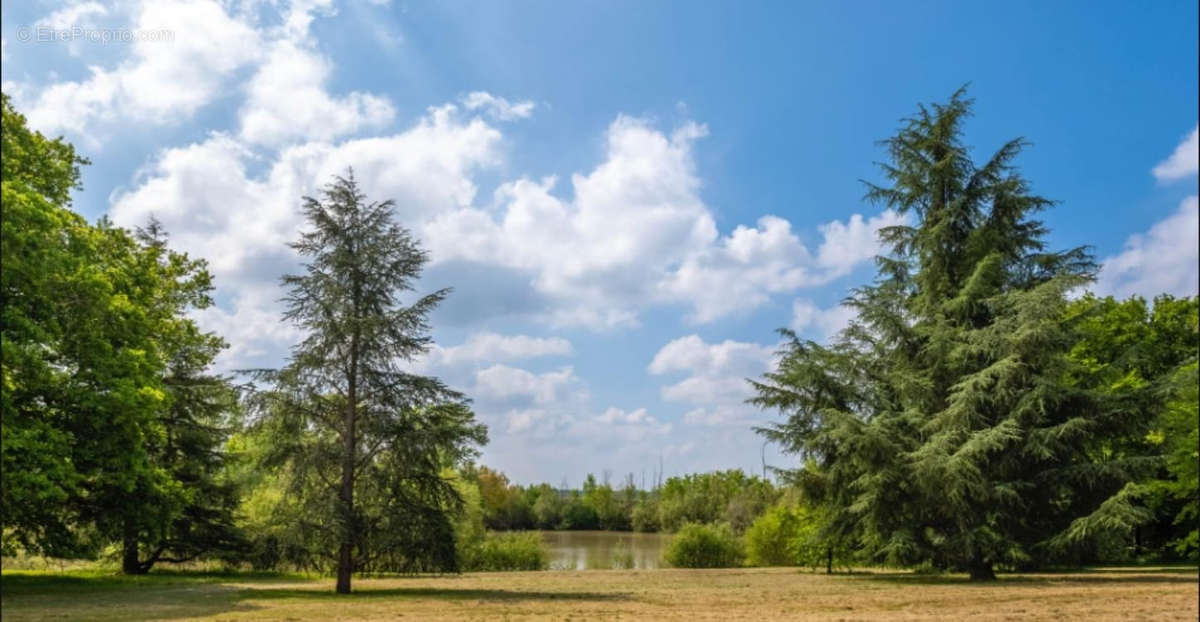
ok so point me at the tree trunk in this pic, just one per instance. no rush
(981, 570)
(829, 560)
(346, 502)
(129, 553)
(349, 451)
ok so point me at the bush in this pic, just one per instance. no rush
(508, 551)
(704, 546)
(790, 534)
(771, 539)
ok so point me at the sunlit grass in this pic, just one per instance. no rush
(1165, 593)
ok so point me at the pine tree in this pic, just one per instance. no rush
(941, 425)
(345, 402)
(196, 419)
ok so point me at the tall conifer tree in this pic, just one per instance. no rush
(940, 427)
(346, 403)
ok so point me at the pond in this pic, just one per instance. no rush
(583, 550)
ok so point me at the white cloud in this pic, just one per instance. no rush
(1165, 258)
(825, 323)
(717, 383)
(213, 207)
(498, 107)
(287, 100)
(1162, 260)
(637, 233)
(692, 354)
(501, 382)
(71, 16)
(488, 347)
(1182, 162)
(161, 81)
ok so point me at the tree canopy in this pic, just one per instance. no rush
(943, 425)
(346, 403)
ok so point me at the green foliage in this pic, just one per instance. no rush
(729, 496)
(47, 252)
(548, 506)
(770, 538)
(1138, 356)
(721, 496)
(505, 505)
(1180, 431)
(110, 422)
(698, 545)
(509, 551)
(345, 404)
(645, 514)
(942, 425)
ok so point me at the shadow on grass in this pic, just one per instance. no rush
(177, 595)
(34, 582)
(453, 594)
(104, 599)
(1048, 579)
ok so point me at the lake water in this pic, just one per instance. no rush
(582, 550)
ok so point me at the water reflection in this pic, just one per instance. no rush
(583, 550)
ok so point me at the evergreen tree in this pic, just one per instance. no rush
(345, 403)
(942, 423)
(197, 418)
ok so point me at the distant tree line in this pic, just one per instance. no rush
(721, 496)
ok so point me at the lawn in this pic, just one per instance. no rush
(736, 594)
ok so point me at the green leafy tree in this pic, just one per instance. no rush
(1138, 355)
(1180, 436)
(46, 250)
(942, 420)
(345, 402)
(91, 321)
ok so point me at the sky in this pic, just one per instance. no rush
(628, 198)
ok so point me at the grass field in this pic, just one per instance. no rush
(693, 595)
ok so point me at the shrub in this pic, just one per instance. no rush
(771, 539)
(704, 546)
(522, 550)
(790, 534)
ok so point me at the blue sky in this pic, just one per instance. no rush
(629, 198)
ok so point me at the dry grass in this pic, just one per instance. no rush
(692, 595)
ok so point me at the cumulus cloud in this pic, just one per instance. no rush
(214, 207)
(637, 233)
(716, 383)
(1182, 163)
(1165, 258)
(497, 107)
(287, 101)
(501, 382)
(594, 248)
(209, 45)
(1161, 260)
(491, 347)
(76, 15)
(808, 318)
